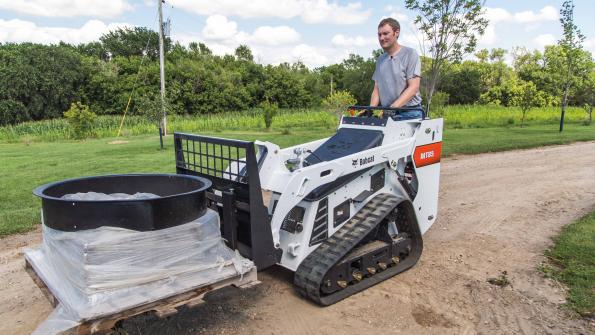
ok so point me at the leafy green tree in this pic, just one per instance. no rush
(571, 44)
(285, 87)
(244, 53)
(12, 112)
(81, 120)
(451, 28)
(357, 77)
(43, 79)
(338, 102)
(527, 96)
(462, 83)
(482, 55)
(137, 41)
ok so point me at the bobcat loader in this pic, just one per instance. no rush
(343, 213)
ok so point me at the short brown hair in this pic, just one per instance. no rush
(391, 22)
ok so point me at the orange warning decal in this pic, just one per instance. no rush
(427, 154)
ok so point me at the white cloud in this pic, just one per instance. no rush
(489, 36)
(529, 20)
(495, 15)
(25, 31)
(589, 44)
(399, 16)
(309, 55)
(544, 39)
(358, 41)
(321, 11)
(219, 28)
(547, 13)
(67, 8)
(310, 11)
(280, 35)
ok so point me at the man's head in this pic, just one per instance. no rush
(388, 33)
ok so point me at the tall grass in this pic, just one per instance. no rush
(485, 116)
(464, 116)
(107, 126)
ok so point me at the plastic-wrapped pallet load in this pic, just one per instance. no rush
(99, 272)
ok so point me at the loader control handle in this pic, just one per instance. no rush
(368, 111)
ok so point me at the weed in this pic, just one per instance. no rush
(501, 280)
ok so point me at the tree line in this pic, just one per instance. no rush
(41, 81)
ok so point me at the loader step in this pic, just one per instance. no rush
(349, 261)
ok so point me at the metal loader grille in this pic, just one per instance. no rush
(320, 228)
(215, 157)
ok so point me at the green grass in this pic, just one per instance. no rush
(108, 126)
(573, 263)
(456, 117)
(486, 116)
(478, 140)
(26, 165)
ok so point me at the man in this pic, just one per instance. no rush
(397, 74)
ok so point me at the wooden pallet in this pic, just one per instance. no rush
(162, 308)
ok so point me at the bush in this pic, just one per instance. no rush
(439, 101)
(81, 120)
(338, 102)
(269, 111)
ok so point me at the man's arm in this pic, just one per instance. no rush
(375, 98)
(408, 93)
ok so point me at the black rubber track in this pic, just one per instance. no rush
(311, 272)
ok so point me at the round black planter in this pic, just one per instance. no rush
(181, 199)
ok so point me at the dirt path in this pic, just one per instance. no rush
(497, 213)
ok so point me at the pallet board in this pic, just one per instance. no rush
(162, 308)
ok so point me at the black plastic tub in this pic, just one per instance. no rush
(181, 199)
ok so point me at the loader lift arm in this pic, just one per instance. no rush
(236, 192)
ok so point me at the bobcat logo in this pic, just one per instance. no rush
(354, 162)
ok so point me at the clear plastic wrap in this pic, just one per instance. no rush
(103, 271)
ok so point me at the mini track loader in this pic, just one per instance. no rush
(343, 213)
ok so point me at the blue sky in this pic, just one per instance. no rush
(316, 32)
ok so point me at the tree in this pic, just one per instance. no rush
(338, 102)
(482, 55)
(462, 83)
(451, 28)
(357, 77)
(244, 53)
(571, 44)
(527, 97)
(42, 79)
(137, 41)
(199, 48)
(81, 120)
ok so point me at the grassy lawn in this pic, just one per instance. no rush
(27, 165)
(573, 263)
(478, 140)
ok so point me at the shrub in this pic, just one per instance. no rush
(338, 102)
(81, 120)
(439, 101)
(269, 110)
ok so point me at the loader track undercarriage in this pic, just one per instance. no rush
(362, 253)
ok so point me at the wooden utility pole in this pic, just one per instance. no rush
(163, 125)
